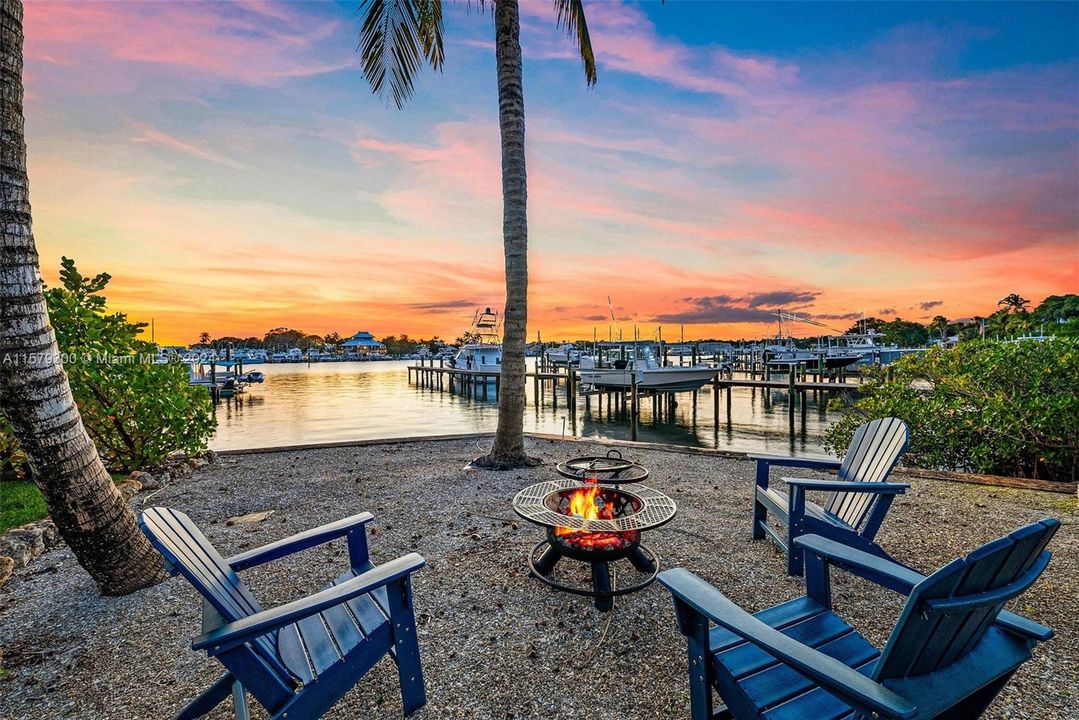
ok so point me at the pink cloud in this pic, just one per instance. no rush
(261, 44)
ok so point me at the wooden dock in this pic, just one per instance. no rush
(485, 385)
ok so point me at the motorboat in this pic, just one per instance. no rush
(563, 355)
(641, 366)
(484, 354)
(786, 355)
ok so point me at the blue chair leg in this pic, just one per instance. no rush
(210, 698)
(695, 627)
(239, 701)
(406, 646)
(760, 512)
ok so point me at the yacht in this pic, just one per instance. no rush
(563, 355)
(485, 354)
(870, 347)
(641, 365)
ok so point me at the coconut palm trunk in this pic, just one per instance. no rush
(35, 396)
(396, 38)
(508, 449)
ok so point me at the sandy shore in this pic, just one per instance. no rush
(495, 642)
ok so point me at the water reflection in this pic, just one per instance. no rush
(331, 402)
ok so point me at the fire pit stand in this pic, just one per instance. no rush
(597, 541)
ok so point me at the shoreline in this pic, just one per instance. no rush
(1000, 481)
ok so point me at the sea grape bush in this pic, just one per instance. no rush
(1004, 408)
(136, 412)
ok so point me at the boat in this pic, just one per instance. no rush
(784, 354)
(641, 366)
(485, 353)
(869, 346)
(563, 355)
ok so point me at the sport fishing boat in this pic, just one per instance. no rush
(642, 366)
(485, 354)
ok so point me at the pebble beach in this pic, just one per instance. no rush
(495, 642)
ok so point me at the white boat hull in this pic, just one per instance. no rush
(670, 379)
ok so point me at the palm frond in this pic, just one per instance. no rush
(570, 14)
(396, 37)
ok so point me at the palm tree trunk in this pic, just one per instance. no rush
(509, 450)
(35, 396)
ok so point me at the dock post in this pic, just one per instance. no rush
(802, 400)
(730, 389)
(791, 397)
(485, 380)
(571, 393)
(715, 401)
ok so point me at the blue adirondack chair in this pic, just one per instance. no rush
(859, 497)
(297, 659)
(951, 651)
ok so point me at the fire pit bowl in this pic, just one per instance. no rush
(597, 524)
(610, 469)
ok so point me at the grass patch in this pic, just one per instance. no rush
(22, 503)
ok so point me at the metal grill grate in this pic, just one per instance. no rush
(655, 508)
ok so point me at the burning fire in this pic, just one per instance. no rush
(589, 503)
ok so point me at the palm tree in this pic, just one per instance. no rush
(35, 397)
(1014, 303)
(940, 324)
(396, 37)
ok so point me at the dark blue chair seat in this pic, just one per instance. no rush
(311, 646)
(951, 651)
(775, 689)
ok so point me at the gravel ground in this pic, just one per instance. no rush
(495, 642)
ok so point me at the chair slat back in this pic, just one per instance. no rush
(873, 452)
(949, 612)
(184, 546)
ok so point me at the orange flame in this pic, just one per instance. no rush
(588, 503)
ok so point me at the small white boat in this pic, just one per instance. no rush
(786, 354)
(648, 373)
(563, 355)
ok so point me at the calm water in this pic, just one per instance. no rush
(328, 402)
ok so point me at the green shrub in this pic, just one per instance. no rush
(983, 406)
(135, 411)
(12, 460)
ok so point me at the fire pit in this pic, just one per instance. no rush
(610, 469)
(595, 523)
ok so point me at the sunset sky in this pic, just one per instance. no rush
(229, 166)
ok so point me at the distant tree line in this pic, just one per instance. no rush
(1057, 315)
(283, 338)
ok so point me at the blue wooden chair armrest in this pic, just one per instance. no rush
(880, 488)
(834, 676)
(902, 579)
(883, 572)
(301, 541)
(785, 461)
(248, 628)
